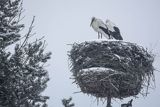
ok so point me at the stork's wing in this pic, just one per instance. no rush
(117, 34)
(105, 30)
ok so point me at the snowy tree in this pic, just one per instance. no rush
(23, 77)
(66, 102)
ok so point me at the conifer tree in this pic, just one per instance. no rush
(23, 77)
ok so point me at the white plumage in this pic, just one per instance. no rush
(109, 30)
(99, 26)
(110, 25)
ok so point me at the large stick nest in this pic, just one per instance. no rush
(111, 68)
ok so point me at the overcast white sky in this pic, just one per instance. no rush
(64, 22)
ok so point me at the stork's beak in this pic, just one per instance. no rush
(90, 23)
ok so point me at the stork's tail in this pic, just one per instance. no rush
(117, 35)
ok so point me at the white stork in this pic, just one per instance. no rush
(113, 30)
(99, 26)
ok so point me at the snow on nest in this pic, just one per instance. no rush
(100, 71)
(100, 40)
(109, 40)
(97, 69)
(97, 40)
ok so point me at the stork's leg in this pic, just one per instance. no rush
(101, 35)
(98, 35)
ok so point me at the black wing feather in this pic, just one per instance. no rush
(105, 30)
(116, 34)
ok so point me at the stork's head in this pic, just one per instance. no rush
(93, 18)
